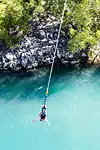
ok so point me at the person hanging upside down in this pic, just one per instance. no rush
(43, 113)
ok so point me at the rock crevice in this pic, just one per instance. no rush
(37, 48)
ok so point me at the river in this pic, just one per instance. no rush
(73, 111)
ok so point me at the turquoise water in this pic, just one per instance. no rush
(73, 111)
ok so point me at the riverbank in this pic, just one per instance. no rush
(36, 48)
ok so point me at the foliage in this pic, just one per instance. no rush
(82, 19)
(14, 17)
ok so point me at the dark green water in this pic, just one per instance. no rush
(73, 111)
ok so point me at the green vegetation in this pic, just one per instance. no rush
(14, 18)
(82, 18)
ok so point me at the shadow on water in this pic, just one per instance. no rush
(25, 86)
(96, 72)
(29, 86)
(19, 86)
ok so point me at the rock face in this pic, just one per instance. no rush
(36, 49)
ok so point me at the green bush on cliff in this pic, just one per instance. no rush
(82, 19)
(14, 17)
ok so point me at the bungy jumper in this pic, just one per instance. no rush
(43, 113)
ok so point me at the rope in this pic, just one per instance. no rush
(48, 85)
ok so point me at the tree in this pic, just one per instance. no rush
(15, 16)
(82, 19)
